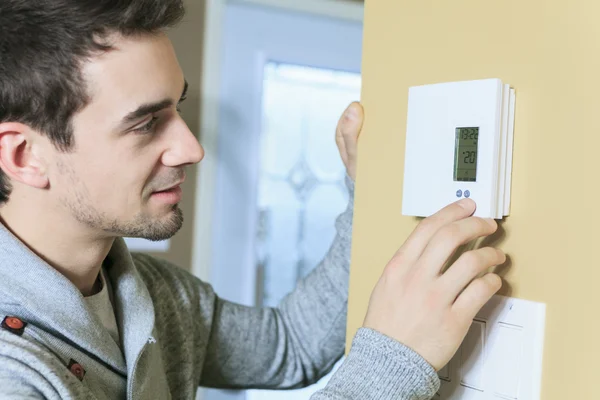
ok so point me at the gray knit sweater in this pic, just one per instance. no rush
(177, 335)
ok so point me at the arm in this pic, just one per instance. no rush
(300, 341)
(423, 310)
(290, 346)
(14, 387)
(418, 315)
(378, 368)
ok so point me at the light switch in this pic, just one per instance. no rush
(472, 356)
(501, 355)
(505, 356)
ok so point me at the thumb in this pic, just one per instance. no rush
(352, 121)
(349, 129)
(347, 133)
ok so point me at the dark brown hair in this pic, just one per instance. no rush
(43, 44)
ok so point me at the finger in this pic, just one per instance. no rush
(468, 267)
(346, 136)
(447, 239)
(341, 145)
(350, 128)
(476, 295)
(416, 243)
(339, 137)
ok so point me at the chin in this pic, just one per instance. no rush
(153, 228)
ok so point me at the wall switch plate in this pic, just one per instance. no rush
(501, 356)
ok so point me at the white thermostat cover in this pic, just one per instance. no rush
(459, 144)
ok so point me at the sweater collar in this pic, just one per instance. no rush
(45, 298)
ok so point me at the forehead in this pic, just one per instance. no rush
(138, 70)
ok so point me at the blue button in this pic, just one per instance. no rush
(467, 193)
(459, 193)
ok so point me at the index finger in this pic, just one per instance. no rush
(416, 243)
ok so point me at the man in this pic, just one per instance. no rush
(92, 149)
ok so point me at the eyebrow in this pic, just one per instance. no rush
(152, 108)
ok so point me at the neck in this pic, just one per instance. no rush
(70, 248)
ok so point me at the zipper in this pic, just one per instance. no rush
(130, 382)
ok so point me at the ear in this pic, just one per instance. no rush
(18, 158)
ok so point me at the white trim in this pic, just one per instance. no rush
(340, 9)
(214, 13)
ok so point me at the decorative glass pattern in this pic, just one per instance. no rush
(301, 186)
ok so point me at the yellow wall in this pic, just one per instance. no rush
(549, 51)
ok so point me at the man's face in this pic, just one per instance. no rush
(122, 177)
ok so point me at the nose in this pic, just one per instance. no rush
(182, 147)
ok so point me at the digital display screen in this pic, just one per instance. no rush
(465, 154)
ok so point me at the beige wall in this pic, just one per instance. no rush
(187, 40)
(549, 51)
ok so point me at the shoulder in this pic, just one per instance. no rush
(163, 278)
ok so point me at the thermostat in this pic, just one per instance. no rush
(459, 140)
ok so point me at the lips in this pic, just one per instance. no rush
(170, 188)
(169, 196)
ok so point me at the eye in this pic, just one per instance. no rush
(148, 127)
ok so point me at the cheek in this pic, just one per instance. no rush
(117, 174)
(106, 168)
(96, 182)
(119, 184)
(126, 182)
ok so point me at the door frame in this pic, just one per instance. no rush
(210, 85)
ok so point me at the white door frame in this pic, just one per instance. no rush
(214, 13)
